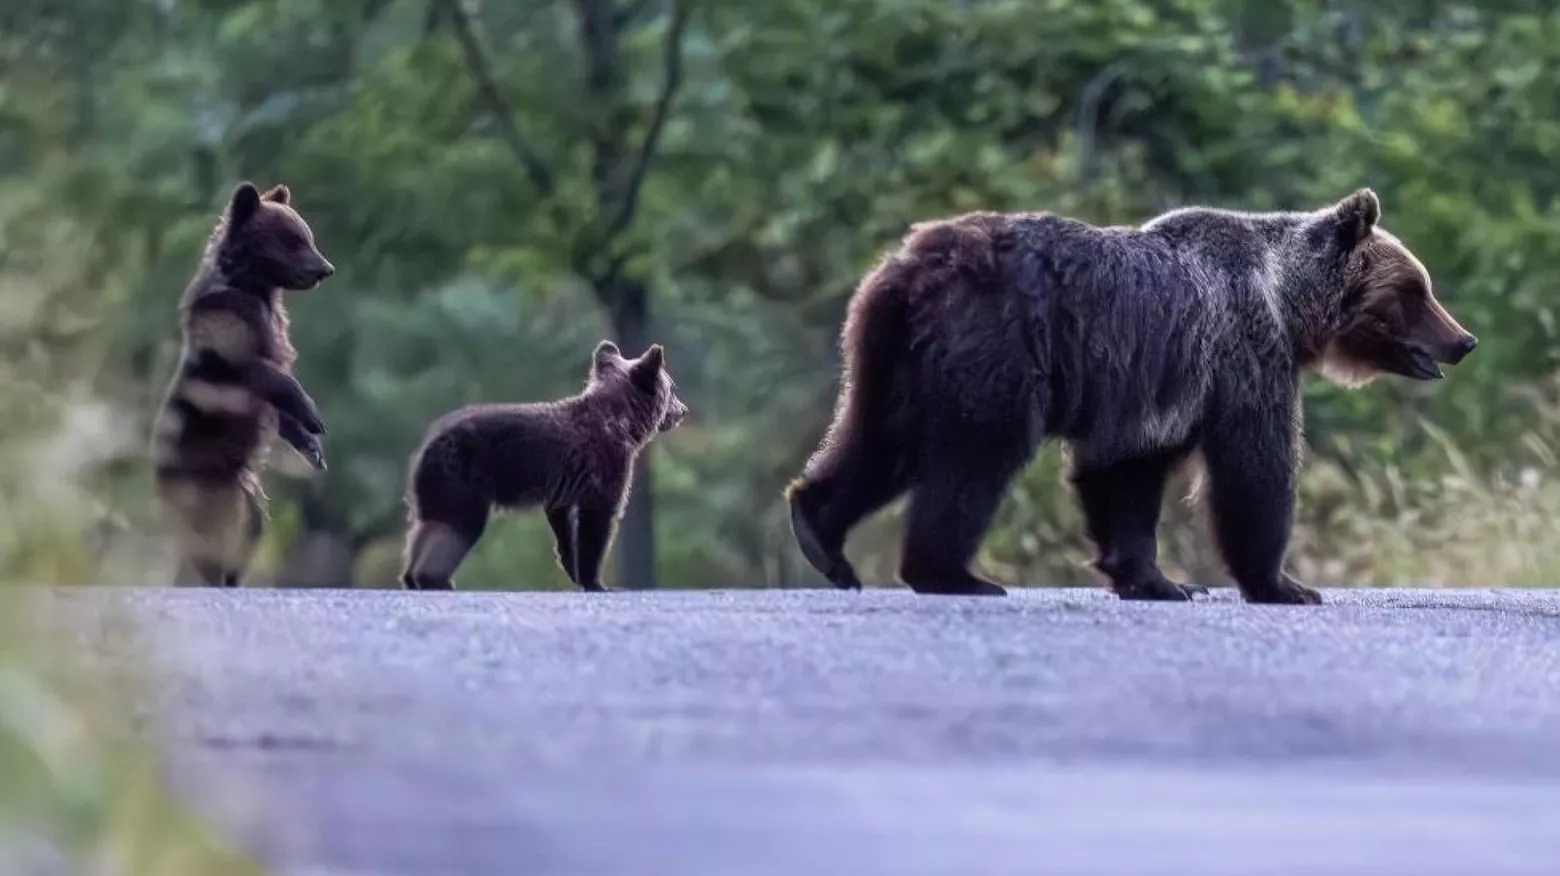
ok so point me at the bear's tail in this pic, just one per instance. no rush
(876, 411)
(872, 346)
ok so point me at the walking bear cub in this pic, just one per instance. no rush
(574, 458)
(987, 333)
(234, 391)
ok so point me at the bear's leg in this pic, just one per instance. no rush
(949, 514)
(825, 507)
(593, 538)
(1121, 504)
(197, 563)
(285, 393)
(216, 532)
(564, 522)
(253, 530)
(965, 467)
(434, 551)
(201, 566)
(1251, 475)
(201, 571)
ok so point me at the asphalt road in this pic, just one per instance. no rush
(816, 733)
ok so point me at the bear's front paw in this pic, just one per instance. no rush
(315, 454)
(312, 422)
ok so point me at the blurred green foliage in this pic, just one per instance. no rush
(471, 169)
(84, 791)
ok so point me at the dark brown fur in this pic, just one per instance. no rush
(234, 390)
(573, 458)
(983, 335)
(1390, 321)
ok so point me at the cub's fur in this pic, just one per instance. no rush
(234, 390)
(987, 333)
(574, 458)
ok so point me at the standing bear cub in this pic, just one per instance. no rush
(233, 390)
(573, 457)
(987, 333)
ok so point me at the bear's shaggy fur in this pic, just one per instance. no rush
(574, 458)
(233, 391)
(985, 334)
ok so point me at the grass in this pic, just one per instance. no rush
(83, 790)
(1374, 525)
(1457, 530)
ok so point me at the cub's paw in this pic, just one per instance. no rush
(843, 577)
(312, 422)
(308, 415)
(314, 453)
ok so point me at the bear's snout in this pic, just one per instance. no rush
(674, 414)
(1440, 334)
(1459, 349)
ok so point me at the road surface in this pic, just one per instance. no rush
(809, 733)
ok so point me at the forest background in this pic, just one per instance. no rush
(500, 185)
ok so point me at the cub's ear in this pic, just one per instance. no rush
(647, 368)
(606, 354)
(279, 194)
(243, 204)
(1357, 216)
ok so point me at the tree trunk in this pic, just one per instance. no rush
(319, 558)
(635, 543)
(322, 556)
(636, 534)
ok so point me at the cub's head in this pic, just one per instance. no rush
(1387, 319)
(264, 244)
(646, 379)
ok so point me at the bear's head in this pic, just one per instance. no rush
(1387, 321)
(646, 380)
(263, 244)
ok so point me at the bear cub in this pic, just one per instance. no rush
(233, 391)
(573, 458)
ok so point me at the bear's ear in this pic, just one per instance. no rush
(1357, 216)
(647, 368)
(606, 354)
(244, 203)
(279, 194)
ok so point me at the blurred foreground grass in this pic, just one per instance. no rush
(81, 791)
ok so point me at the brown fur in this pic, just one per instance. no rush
(573, 458)
(1390, 320)
(983, 335)
(234, 391)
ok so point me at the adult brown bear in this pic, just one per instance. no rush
(985, 334)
